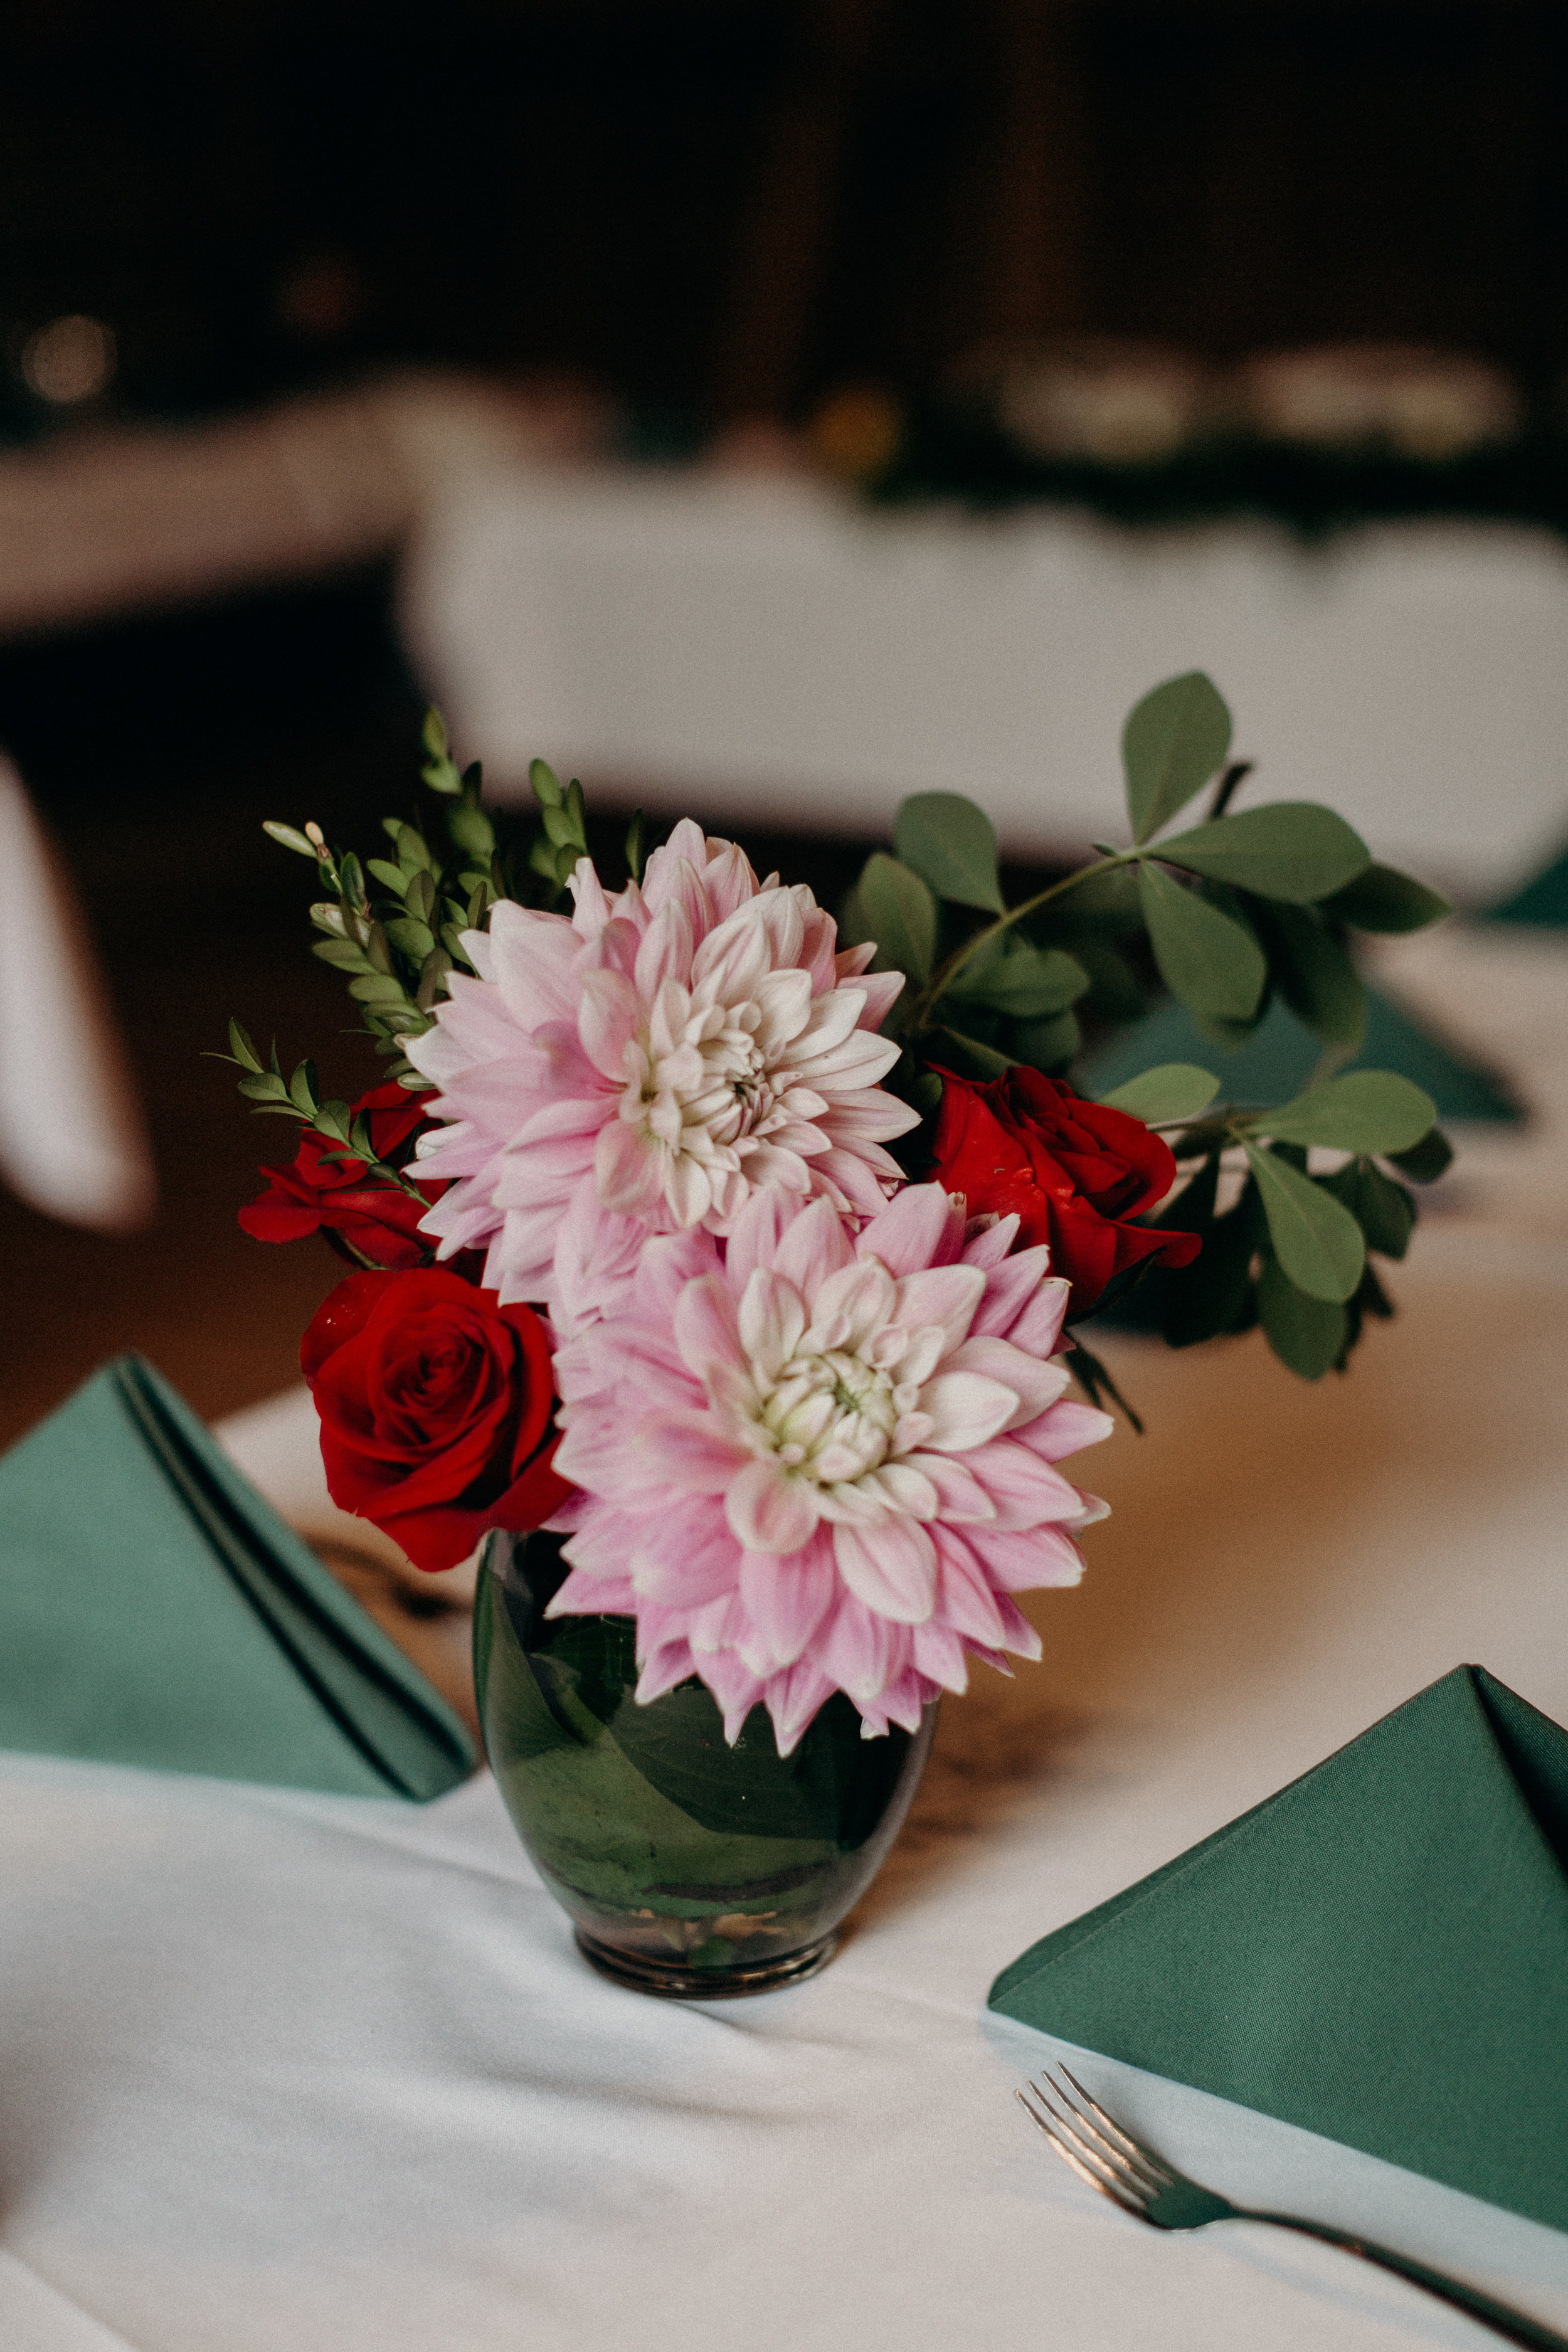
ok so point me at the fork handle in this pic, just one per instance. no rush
(1499, 2316)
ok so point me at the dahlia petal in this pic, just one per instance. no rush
(1025, 1490)
(628, 1170)
(535, 962)
(769, 1510)
(1009, 1287)
(961, 1497)
(787, 1598)
(891, 1569)
(939, 1655)
(1036, 1385)
(792, 1698)
(1038, 1328)
(1066, 1429)
(705, 1327)
(966, 1410)
(607, 1021)
(814, 1246)
(669, 1666)
(880, 991)
(918, 1229)
(989, 1239)
(860, 1649)
(945, 1295)
(686, 1450)
(1023, 1559)
(771, 1318)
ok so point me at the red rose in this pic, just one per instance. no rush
(378, 1219)
(435, 1405)
(1075, 1172)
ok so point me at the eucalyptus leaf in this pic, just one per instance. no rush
(1171, 744)
(1384, 1210)
(950, 844)
(899, 914)
(1046, 1046)
(1312, 973)
(1306, 1333)
(289, 837)
(1294, 850)
(1365, 1111)
(1207, 959)
(1022, 982)
(1384, 899)
(1315, 1237)
(1427, 1160)
(1172, 1091)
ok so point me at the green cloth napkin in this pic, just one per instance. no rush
(156, 1611)
(1379, 1953)
(1543, 901)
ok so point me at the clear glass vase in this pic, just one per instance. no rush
(690, 1867)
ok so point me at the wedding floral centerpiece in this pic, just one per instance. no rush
(745, 1251)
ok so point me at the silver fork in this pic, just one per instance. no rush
(1100, 2152)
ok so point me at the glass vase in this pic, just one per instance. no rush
(689, 1868)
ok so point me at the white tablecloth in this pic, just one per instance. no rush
(279, 2072)
(764, 651)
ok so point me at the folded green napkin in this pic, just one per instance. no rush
(1379, 1953)
(154, 1610)
(1543, 901)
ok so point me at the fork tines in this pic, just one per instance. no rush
(1097, 2150)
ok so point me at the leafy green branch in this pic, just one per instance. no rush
(299, 1097)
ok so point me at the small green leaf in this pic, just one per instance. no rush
(411, 938)
(341, 954)
(1314, 975)
(242, 1048)
(548, 789)
(559, 828)
(1367, 1110)
(304, 1091)
(377, 988)
(329, 917)
(472, 831)
(353, 881)
(332, 1120)
(1384, 1211)
(289, 836)
(1171, 744)
(1293, 850)
(542, 856)
(1315, 1237)
(1306, 1333)
(900, 916)
(950, 844)
(413, 850)
(436, 967)
(1427, 1160)
(263, 1087)
(1207, 959)
(1174, 1090)
(420, 895)
(391, 877)
(975, 1060)
(577, 809)
(566, 858)
(433, 734)
(635, 845)
(1383, 900)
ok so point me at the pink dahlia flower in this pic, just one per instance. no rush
(646, 1065)
(813, 1461)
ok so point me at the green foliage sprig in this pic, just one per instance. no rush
(1229, 914)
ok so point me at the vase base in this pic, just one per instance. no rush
(670, 1980)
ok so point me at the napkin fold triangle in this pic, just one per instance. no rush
(155, 1611)
(1378, 1953)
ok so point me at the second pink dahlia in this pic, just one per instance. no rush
(812, 1460)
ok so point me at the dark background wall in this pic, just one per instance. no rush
(726, 205)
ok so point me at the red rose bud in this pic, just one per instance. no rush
(1074, 1172)
(437, 1407)
(320, 1193)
